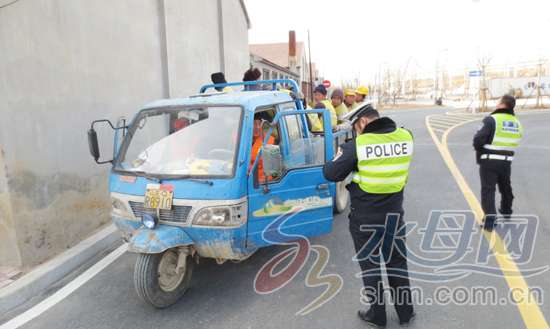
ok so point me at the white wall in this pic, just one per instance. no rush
(235, 45)
(63, 64)
(193, 51)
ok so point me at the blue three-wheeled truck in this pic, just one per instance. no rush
(204, 176)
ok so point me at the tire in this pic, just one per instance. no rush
(161, 290)
(341, 198)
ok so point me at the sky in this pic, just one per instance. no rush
(357, 39)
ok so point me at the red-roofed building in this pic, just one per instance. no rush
(282, 60)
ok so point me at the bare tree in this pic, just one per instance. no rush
(483, 62)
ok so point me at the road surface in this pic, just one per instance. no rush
(223, 296)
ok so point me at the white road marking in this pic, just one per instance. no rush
(439, 130)
(62, 293)
(440, 126)
(448, 119)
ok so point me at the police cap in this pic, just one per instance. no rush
(363, 109)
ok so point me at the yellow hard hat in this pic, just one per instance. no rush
(362, 90)
(349, 92)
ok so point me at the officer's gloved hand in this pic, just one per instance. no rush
(343, 126)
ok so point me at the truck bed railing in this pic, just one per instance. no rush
(294, 85)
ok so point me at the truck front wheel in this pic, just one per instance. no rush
(162, 279)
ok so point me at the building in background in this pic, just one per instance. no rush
(270, 70)
(66, 63)
(521, 87)
(290, 56)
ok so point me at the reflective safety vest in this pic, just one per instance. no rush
(332, 111)
(383, 161)
(317, 125)
(508, 133)
(341, 110)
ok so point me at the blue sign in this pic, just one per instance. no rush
(475, 73)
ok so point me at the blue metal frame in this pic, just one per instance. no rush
(254, 83)
(224, 242)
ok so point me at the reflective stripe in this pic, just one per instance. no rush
(506, 140)
(499, 148)
(357, 178)
(404, 166)
(497, 157)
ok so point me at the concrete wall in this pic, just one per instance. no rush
(65, 63)
(236, 50)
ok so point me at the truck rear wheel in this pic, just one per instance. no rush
(159, 279)
(341, 198)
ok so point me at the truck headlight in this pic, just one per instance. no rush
(222, 216)
(149, 220)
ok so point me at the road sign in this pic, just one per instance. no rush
(475, 73)
(326, 83)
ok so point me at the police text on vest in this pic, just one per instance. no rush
(388, 150)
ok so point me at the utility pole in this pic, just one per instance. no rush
(539, 84)
(310, 68)
(437, 78)
(466, 83)
(413, 87)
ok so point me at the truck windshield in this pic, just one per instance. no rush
(194, 142)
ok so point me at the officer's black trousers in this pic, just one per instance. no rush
(495, 173)
(376, 238)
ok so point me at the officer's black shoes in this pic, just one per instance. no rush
(405, 323)
(368, 317)
(489, 223)
(488, 226)
(505, 214)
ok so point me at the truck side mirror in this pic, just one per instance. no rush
(272, 160)
(93, 144)
(272, 167)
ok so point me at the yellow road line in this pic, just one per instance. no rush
(528, 308)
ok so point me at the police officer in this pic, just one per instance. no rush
(495, 143)
(378, 158)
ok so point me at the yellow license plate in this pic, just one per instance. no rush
(158, 196)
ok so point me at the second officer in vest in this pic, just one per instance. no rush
(495, 144)
(378, 158)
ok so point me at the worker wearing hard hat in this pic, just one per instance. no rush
(320, 96)
(349, 98)
(337, 100)
(361, 93)
(378, 158)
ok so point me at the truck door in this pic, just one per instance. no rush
(294, 199)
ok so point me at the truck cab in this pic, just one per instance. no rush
(216, 175)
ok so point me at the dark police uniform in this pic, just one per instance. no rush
(495, 143)
(371, 210)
